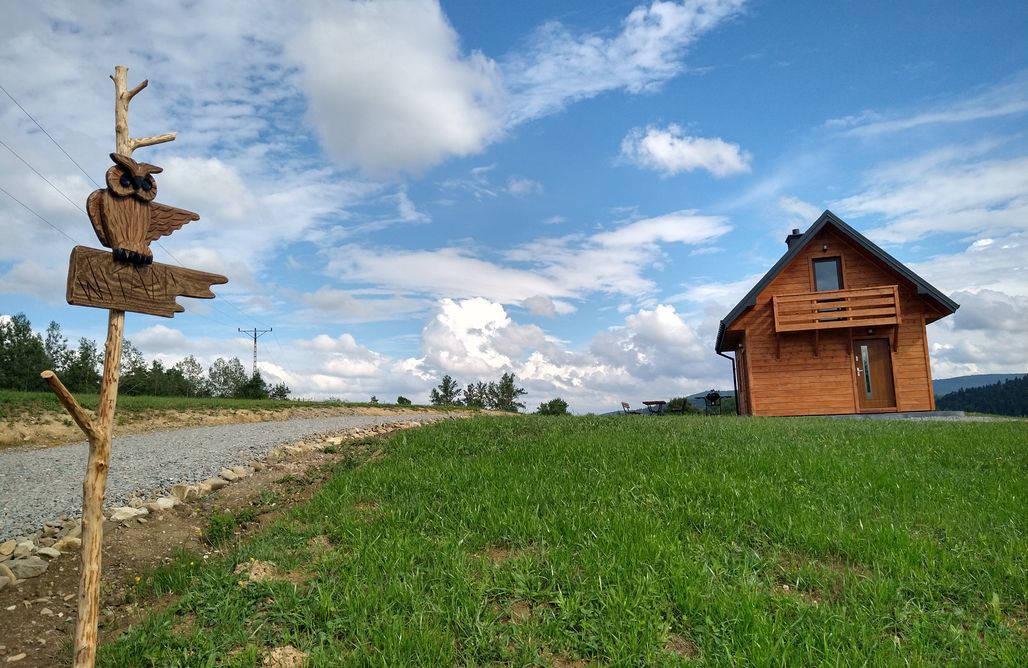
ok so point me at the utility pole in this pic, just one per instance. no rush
(256, 333)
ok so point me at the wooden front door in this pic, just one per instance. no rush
(875, 389)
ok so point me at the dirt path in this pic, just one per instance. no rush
(37, 616)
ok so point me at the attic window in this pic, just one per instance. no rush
(827, 274)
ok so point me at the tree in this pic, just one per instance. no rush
(226, 377)
(503, 395)
(403, 401)
(83, 372)
(675, 406)
(192, 374)
(254, 388)
(553, 407)
(280, 392)
(22, 354)
(56, 347)
(446, 394)
(476, 395)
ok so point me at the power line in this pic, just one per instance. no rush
(31, 118)
(15, 154)
(29, 209)
(257, 333)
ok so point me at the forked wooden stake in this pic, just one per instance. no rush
(99, 430)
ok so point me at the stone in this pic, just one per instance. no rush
(49, 552)
(136, 502)
(229, 474)
(7, 547)
(215, 483)
(50, 531)
(6, 573)
(184, 492)
(4, 581)
(241, 471)
(24, 548)
(16, 657)
(126, 513)
(46, 542)
(28, 567)
(162, 504)
(68, 543)
(75, 530)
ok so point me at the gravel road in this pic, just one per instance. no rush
(38, 485)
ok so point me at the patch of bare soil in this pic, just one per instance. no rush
(37, 616)
(681, 646)
(49, 429)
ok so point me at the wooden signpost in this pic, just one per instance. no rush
(125, 219)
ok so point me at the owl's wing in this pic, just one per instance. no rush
(166, 219)
(93, 206)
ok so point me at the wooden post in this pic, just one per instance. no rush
(100, 430)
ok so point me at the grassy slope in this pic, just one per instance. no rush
(774, 542)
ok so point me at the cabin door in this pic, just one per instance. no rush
(875, 389)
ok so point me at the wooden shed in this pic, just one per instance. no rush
(836, 326)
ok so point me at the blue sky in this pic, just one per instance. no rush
(575, 192)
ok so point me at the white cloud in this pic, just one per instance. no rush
(555, 268)
(801, 214)
(1007, 99)
(29, 277)
(560, 67)
(948, 190)
(670, 152)
(520, 186)
(389, 88)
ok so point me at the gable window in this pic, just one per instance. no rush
(827, 274)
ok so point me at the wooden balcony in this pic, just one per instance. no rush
(837, 309)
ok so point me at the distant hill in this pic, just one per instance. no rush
(1009, 397)
(944, 386)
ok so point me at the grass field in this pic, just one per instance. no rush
(621, 541)
(15, 403)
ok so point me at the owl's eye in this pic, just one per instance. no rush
(125, 181)
(146, 185)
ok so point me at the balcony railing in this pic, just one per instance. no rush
(837, 309)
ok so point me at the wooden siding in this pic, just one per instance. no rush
(786, 374)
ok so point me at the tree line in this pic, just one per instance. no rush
(499, 395)
(1009, 397)
(24, 354)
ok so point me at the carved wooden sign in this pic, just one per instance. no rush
(95, 278)
(126, 219)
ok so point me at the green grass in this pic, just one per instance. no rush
(14, 404)
(534, 541)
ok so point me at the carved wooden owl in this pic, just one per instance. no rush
(124, 215)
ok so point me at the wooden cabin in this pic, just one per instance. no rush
(837, 326)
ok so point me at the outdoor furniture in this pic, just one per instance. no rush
(680, 409)
(628, 409)
(711, 401)
(655, 407)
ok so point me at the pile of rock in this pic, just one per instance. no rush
(29, 556)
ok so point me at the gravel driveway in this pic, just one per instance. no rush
(38, 485)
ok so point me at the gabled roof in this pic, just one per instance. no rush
(828, 218)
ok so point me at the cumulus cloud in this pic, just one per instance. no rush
(670, 151)
(389, 88)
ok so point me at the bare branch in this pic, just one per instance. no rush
(78, 413)
(132, 93)
(136, 142)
